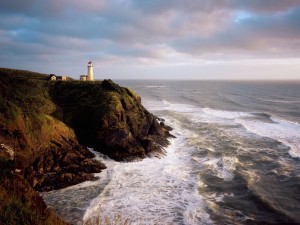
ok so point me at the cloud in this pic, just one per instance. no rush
(157, 6)
(143, 31)
(270, 6)
(51, 8)
(259, 35)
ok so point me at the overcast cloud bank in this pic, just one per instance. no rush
(205, 39)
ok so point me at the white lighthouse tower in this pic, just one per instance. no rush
(90, 74)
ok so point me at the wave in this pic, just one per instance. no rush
(280, 100)
(225, 114)
(282, 131)
(192, 100)
(260, 123)
(198, 181)
(220, 167)
(72, 202)
(155, 86)
(152, 191)
(164, 191)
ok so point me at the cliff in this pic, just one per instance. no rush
(46, 127)
(110, 119)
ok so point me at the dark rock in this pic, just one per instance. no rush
(62, 180)
(59, 168)
(111, 86)
(131, 138)
(160, 119)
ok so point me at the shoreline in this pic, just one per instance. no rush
(77, 213)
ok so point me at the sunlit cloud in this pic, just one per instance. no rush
(154, 35)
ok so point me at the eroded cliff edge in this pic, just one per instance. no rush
(46, 127)
(110, 119)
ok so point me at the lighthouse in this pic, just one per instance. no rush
(90, 74)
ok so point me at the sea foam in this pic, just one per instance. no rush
(283, 131)
(164, 191)
(152, 191)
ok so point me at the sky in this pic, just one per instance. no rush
(153, 39)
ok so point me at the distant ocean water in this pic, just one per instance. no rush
(236, 160)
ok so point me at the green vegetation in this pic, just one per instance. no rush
(43, 128)
(25, 124)
(14, 211)
(91, 106)
(27, 100)
(20, 95)
(42, 110)
(19, 204)
(79, 103)
(24, 106)
(34, 114)
(22, 74)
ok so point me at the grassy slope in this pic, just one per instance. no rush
(26, 109)
(20, 204)
(25, 125)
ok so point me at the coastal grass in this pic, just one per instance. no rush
(18, 207)
(14, 211)
(25, 121)
(22, 74)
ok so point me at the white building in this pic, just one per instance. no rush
(90, 75)
(52, 77)
(57, 78)
(83, 77)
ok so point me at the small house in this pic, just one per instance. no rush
(52, 77)
(83, 77)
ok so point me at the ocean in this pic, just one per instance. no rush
(235, 160)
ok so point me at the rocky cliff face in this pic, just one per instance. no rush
(46, 127)
(111, 119)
